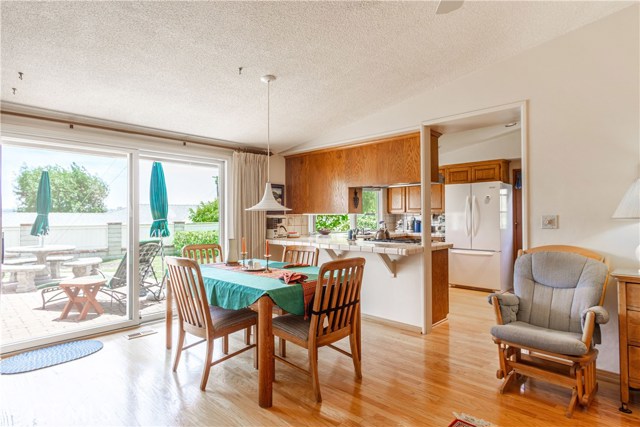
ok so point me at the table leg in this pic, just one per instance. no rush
(169, 315)
(72, 294)
(90, 293)
(266, 361)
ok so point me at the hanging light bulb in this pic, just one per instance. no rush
(268, 202)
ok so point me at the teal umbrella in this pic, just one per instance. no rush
(159, 202)
(43, 206)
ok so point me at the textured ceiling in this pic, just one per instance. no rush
(174, 65)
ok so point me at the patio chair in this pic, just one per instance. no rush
(148, 278)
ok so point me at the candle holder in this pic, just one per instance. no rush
(267, 257)
(244, 257)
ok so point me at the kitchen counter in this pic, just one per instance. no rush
(340, 243)
(404, 263)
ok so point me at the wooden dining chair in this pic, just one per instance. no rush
(197, 317)
(335, 314)
(301, 255)
(203, 254)
(296, 255)
(211, 253)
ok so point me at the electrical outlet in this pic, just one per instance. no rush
(549, 221)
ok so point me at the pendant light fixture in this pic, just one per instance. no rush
(268, 202)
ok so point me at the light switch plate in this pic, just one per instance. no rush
(549, 221)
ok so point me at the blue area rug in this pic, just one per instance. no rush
(48, 356)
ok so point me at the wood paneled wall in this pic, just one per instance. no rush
(319, 181)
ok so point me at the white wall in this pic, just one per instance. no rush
(277, 169)
(502, 147)
(584, 141)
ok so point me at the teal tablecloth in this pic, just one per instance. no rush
(234, 289)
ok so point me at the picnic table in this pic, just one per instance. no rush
(41, 253)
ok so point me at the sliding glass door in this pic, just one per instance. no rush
(194, 198)
(85, 230)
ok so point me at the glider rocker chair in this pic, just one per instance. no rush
(197, 317)
(335, 314)
(554, 316)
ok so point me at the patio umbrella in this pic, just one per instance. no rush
(159, 203)
(43, 206)
(159, 210)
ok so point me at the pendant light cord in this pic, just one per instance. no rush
(268, 131)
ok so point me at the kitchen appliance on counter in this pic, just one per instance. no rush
(479, 225)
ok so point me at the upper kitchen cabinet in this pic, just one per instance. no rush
(490, 170)
(404, 200)
(319, 181)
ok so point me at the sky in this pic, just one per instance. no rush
(186, 183)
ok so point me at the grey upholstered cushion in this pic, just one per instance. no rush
(292, 324)
(555, 287)
(509, 304)
(540, 338)
(223, 318)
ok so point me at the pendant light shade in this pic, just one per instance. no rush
(268, 202)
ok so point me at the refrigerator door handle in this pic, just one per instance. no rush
(467, 216)
(475, 209)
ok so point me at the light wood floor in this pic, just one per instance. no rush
(408, 380)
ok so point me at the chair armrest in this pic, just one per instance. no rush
(601, 313)
(591, 318)
(507, 309)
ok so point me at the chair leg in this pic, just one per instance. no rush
(247, 336)
(572, 403)
(207, 365)
(355, 354)
(282, 345)
(510, 377)
(313, 369)
(225, 344)
(181, 335)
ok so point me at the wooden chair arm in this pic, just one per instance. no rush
(589, 326)
(496, 309)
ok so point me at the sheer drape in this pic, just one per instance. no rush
(249, 179)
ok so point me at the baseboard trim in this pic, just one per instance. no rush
(608, 376)
(392, 323)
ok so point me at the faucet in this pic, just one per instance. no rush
(284, 228)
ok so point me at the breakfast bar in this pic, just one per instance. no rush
(395, 267)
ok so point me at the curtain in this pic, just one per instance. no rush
(249, 179)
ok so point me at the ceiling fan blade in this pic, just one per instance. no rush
(446, 6)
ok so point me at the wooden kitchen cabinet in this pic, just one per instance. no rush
(413, 199)
(629, 330)
(490, 170)
(404, 200)
(437, 198)
(319, 181)
(396, 200)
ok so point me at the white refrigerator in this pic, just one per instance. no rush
(478, 220)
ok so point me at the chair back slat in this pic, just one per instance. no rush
(203, 254)
(337, 296)
(188, 288)
(301, 255)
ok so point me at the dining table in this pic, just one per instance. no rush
(41, 252)
(236, 287)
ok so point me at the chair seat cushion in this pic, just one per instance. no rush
(292, 324)
(223, 318)
(550, 340)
